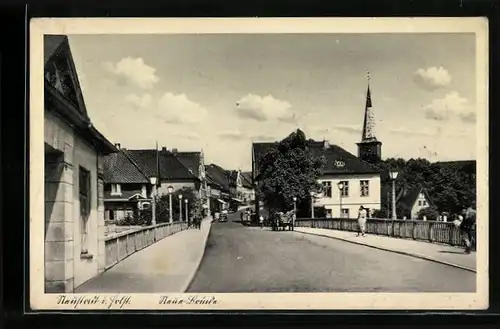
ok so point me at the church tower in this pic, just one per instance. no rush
(369, 149)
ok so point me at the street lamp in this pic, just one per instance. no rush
(294, 209)
(340, 185)
(187, 216)
(153, 182)
(312, 203)
(393, 174)
(180, 207)
(170, 189)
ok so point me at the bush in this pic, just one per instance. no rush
(430, 212)
(382, 213)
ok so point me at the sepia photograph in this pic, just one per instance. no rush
(259, 164)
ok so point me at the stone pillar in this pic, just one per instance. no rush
(59, 221)
(101, 229)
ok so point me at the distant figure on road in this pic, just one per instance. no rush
(362, 214)
(261, 221)
(466, 227)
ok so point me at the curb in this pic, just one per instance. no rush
(193, 274)
(395, 251)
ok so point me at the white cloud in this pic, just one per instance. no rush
(179, 109)
(266, 138)
(232, 134)
(347, 128)
(264, 108)
(406, 131)
(139, 101)
(450, 106)
(134, 71)
(186, 135)
(432, 77)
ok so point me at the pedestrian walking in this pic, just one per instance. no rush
(261, 221)
(362, 214)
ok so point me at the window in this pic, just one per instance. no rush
(85, 205)
(111, 215)
(327, 189)
(345, 213)
(419, 202)
(116, 189)
(345, 189)
(365, 188)
(424, 203)
(328, 213)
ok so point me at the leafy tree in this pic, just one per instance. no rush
(451, 185)
(289, 170)
(162, 205)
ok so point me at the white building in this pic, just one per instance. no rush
(348, 181)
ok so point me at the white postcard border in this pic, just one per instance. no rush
(253, 301)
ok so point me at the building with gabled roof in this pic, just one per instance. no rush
(127, 190)
(411, 201)
(74, 150)
(361, 183)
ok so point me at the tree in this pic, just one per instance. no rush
(451, 185)
(163, 207)
(289, 170)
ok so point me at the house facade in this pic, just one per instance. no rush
(410, 202)
(247, 190)
(220, 188)
(360, 180)
(127, 190)
(74, 177)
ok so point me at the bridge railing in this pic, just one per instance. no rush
(121, 245)
(430, 231)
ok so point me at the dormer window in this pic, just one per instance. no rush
(116, 189)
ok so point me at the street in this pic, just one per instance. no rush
(251, 259)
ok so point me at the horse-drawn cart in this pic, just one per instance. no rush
(281, 221)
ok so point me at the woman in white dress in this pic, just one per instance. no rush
(362, 214)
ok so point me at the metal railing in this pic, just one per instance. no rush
(429, 231)
(121, 245)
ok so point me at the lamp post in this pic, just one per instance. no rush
(294, 209)
(312, 203)
(170, 216)
(393, 174)
(153, 181)
(180, 207)
(340, 185)
(187, 216)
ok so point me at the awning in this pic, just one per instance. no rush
(221, 201)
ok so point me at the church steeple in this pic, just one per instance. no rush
(369, 149)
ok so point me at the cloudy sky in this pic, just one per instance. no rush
(183, 91)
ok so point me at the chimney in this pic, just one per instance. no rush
(117, 145)
(164, 149)
(174, 151)
(325, 144)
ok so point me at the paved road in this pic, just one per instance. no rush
(250, 259)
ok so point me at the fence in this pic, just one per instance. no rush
(430, 231)
(122, 245)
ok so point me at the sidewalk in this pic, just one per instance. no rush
(168, 265)
(443, 254)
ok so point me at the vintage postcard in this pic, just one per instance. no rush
(223, 164)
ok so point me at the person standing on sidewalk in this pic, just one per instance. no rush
(466, 228)
(362, 214)
(261, 221)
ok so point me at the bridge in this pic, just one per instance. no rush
(318, 256)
